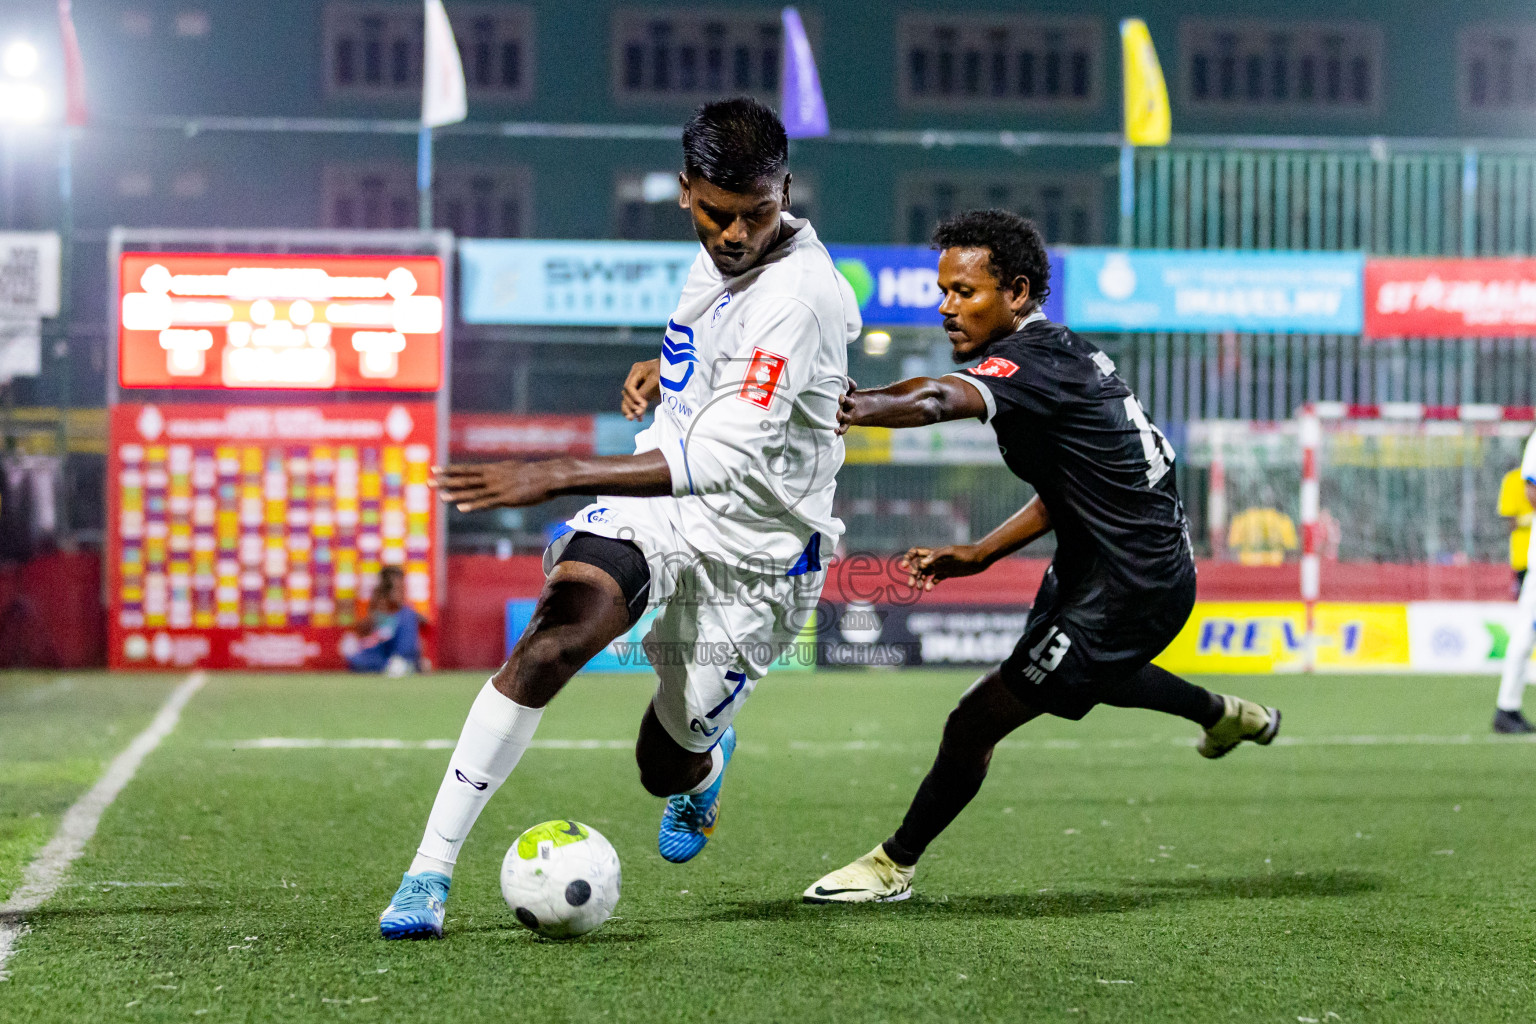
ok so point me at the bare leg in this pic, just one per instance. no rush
(665, 767)
(580, 612)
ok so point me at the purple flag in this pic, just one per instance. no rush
(801, 104)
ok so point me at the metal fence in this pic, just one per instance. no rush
(1444, 201)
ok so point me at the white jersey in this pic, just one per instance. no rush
(751, 370)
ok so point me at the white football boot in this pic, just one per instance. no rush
(873, 878)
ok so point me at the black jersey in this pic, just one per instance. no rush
(1071, 428)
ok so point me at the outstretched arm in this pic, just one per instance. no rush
(910, 403)
(926, 566)
(515, 483)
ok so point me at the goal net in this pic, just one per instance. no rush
(1394, 492)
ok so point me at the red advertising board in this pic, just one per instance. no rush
(512, 434)
(246, 536)
(230, 320)
(1450, 298)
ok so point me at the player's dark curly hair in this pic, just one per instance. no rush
(735, 144)
(1016, 245)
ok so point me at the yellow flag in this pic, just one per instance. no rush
(1147, 119)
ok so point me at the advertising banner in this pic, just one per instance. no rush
(1165, 290)
(511, 434)
(29, 292)
(918, 634)
(898, 285)
(230, 320)
(1449, 298)
(956, 443)
(1242, 637)
(637, 284)
(627, 652)
(598, 284)
(29, 274)
(1232, 637)
(1223, 638)
(1461, 636)
(251, 536)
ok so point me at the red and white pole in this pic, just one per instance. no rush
(1311, 564)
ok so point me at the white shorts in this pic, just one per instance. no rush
(719, 628)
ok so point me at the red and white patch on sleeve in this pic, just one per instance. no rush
(762, 381)
(995, 366)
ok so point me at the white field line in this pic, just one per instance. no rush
(46, 872)
(295, 743)
(835, 746)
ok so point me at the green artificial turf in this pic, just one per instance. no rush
(1375, 868)
(57, 733)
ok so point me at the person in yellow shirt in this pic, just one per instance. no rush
(1261, 536)
(1513, 504)
(1516, 495)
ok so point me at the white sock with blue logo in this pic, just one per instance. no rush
(495, 735)
(716, 766)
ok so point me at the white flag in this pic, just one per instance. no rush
(443, 99)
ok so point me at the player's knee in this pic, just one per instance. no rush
(658, 775)
(546, 653)
(541, 663)
(965, 737)
(961, 728)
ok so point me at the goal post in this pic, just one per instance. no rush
(1402, 483)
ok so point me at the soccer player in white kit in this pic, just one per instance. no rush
(1507, 716)
(720, 520)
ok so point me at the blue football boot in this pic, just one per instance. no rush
(416, 912)
(690, 818)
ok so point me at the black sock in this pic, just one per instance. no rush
(949, 786)
(1157, 690)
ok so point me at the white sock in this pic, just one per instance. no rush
(1518, 656)
(495, 735)
(1512, 682)
(716, 766)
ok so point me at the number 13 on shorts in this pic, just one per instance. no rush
(1047, 654)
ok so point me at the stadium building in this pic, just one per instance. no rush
(1294, 130)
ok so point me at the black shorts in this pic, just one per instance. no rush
(621, 559)
(1075, 645)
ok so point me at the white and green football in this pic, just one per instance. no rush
(561, 879)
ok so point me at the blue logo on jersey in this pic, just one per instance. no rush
(677, 351)
(720, 308)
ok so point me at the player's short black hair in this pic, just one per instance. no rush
(1016, 245)
(735, 144)
(392, 572)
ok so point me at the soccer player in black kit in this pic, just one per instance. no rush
(1122, 583)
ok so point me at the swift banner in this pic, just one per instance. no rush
(1450, 298)
(637, 284)
(1163, 290)
(580, 284)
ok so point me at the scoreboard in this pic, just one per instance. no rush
(250, 536)
(228, 320)
(272, 429)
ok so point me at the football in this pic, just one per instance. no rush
(561, 879)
